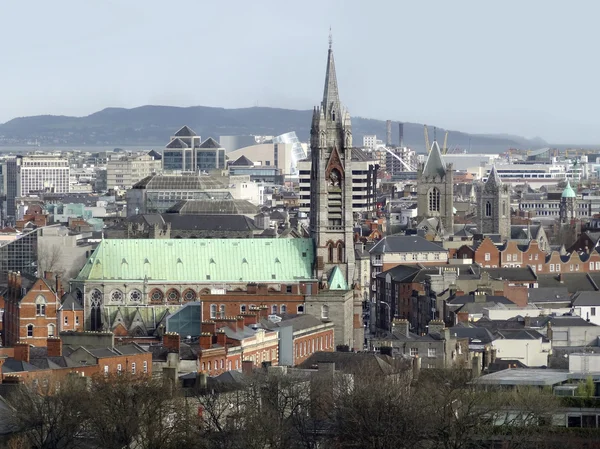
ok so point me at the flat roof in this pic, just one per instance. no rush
(525, 376)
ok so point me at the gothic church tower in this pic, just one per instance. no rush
(493, 200)
(331, 217)
(435, 190)
(568, 204)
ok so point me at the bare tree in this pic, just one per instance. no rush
(49, 258)
(50, 414)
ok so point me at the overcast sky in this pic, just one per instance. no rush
(514, 66)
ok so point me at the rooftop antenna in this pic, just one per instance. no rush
(330, 38)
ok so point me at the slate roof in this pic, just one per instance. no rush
(210, 143)
(354, 362)
(468, 299)
(573, 282)
(185, 131)
(548, 295)
(231, 260)
(435, 165)
(586, 298)
(510, 273)
(404, 244)
(519, 334)
(298, 322)
(570, 321)
(177, 143)
(70, 302)
(473, 333)
(242, 161)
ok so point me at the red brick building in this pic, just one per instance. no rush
(31, 309)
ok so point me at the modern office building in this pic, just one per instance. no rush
(232, 143)
(123, 173)
(187, 153)
(364, 182)
(42, 173)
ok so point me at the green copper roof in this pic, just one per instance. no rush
(201, 260)
(336, 280)
(568, 192)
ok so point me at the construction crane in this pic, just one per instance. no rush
(408, 167)
(445, 147)
(427, 146)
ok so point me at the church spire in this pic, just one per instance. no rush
(493, 182)
(331, 99)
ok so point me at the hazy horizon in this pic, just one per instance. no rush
(477, 67)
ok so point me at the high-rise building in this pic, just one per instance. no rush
(49, 173)
(435, 196)
(494, 206)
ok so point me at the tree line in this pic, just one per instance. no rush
(442, 409)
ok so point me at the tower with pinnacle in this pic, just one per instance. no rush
(493, 200)
(568, 204)
(331, 217)
(435, 194)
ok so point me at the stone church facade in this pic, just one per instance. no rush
(494, 206)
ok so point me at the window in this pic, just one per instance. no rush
(434, 200)
(597, 265)
(330, 252)
(243, 308)
(216, 365)
(50, 330)
(552, 267)
(436, 256)
(508, 257)
(414, 352)
(414, 256)
(222, 364)
(274, 309)
(76, 321)
(283, 308)
(325, 312)
(222, 311)
(488, 209)
(431, 352)
(571, 267)
(119, 368)
(213, 311)
(340, 252)
(591, 265)
(66, 320)
(145, 367)
(539, 267)
(133, 368)
(30, 330)
(106, 370)
(40, 306)
(487, 257)
(300, 308)
(593, 311)
(557, 267)
(229, 365)
(288, 289)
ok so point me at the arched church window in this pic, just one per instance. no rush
(488, 209)
(330, 252)
(96, 310)
(40, 306)
(340, 252)
(504, 211)
(324, 312)
(333, 114)
(434, 200)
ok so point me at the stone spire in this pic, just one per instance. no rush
(435, 165)
(331, 99)
(494, 182)
(568, 192)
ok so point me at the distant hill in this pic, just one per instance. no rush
(152, 125)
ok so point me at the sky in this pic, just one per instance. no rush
(526, 68)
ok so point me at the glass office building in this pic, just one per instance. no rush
(187, 320)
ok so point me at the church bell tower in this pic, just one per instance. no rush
(331, 217)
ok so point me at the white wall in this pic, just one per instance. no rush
(529, 352)
(578, 363)
(588, 312)
(505, 314)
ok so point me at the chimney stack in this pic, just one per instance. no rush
(205, 340)
(54, 347)
(209, 327)
(59, 289)
(171, 341)
(401, 327)
(247, 367)
(221, 338)
(21, 353)
(401, 135)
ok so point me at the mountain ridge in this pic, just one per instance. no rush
(154, 124)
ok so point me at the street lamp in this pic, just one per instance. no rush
(389, 314)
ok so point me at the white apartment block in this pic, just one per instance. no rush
(369, 141)
(42, 173)
(125, 172)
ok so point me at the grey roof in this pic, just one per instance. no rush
(355, 362)
(242, 161)
(214, 207)
(210, 143)
(524, 232)
(586, 298)
(212, 222)
(180, 182)
(548, 294)
(468, 299)
(359, 155)
(519, 334)
(404, 243)
(298, 322)
(570, 321)
(435, 165)
(177, 143)
(185, 131)
(528, 376)
(573, 282)
(510, 273)
(70, 302)
(14, 366)
(155, 154)
(474, 334)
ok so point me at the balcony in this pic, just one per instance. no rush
(377, 262)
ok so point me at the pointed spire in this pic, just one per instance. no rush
(435, 165)
(331, 99)
(493, 182)
(568, 192)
